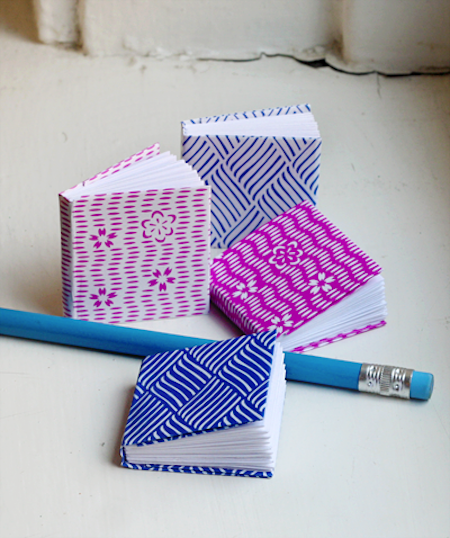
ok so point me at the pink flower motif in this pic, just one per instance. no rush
(103, 297)
(280, 324)
(158, 226)
(245, 289)
(286, 255)
(321, 283)
(162, 278)
(103, 238)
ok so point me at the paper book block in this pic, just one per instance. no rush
(299, 274)
(210, 409)
(136, 255)
(253, 178)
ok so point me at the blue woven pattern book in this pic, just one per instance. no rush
(259, 164)
(210, 409)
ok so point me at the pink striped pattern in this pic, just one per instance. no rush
(136, 256)
(288, 272)
(143, 155)
(65, 211)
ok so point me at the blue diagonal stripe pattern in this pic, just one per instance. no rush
(192, 391)
(253, 179)
(193, 469)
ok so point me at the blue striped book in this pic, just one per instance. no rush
(210, 409)
(259, 164)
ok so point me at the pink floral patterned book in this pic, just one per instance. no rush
(299, 274)
(135, 242)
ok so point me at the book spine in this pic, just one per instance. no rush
(66, 255)
(184, 145)
(341, 336)
(236, 314)
(250, 114)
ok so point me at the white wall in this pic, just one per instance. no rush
(395, 36)
(389, 36)
(225, 29)
(57, 21)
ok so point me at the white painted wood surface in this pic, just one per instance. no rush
(57, 21)
(394, 36)
(233, 29)
(388, 36)
(349, 465)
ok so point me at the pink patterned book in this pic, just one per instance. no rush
(299, 274)
(135, 241)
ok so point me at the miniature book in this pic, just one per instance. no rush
(259, 164)
(299, 274)
(209, 409)
(135, 242)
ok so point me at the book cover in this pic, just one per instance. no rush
(132, 248)
(259, 174)
(210, 409)
(299, 274)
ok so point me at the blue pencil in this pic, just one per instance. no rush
(373, 378)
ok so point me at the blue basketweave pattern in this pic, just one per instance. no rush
(253, 179)
(199, 470)
(198, 390)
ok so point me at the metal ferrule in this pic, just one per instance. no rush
(385, 380)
